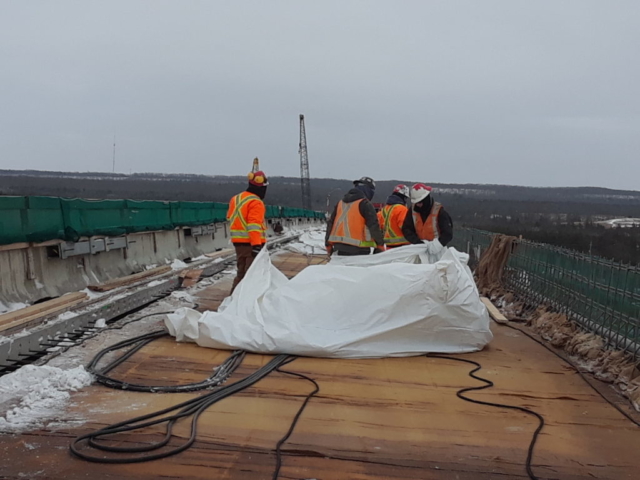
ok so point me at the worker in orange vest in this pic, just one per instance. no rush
(353, 229)
(428, 220)
(391, 217)
(246, 222)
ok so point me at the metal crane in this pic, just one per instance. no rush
(305, 181)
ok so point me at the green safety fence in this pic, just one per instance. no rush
(38, 219)
(601, 295)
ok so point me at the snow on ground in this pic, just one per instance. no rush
(91, 294)
(36, 395)
(182, 295)
(11, 307)
(178, 265)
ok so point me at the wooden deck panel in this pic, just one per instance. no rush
(372, 419)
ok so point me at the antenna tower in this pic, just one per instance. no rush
(305, 181)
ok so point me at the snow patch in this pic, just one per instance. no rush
(100, 323)
(178, 265)
(91, 294)
(183, 296)
(12, 307)
(36, 394)
(66, 315)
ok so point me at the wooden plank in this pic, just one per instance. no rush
(22, 245)
(128, 280)
(494, 312)
(190, 277)
(393, 418)
(14, 246)
(221, 253)
(40, 310)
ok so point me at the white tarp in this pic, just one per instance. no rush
(382, 310)
(428, 252)
(309, 243)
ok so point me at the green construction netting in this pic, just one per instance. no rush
(37, 219)
(590, 289)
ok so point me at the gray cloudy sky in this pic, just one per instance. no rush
(520, 92)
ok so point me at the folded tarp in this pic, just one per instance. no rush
(309, 243)
(425, 253)
(384, 310)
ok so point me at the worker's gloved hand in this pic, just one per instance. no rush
(329, 249)
(380, 249)
(255, 250)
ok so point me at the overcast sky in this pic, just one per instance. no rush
(543, 93)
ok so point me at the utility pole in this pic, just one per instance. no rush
(305, 181)
(114, 154)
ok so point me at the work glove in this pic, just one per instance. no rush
(255, 250)
(380, 249)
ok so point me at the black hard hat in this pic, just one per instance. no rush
(365, 181)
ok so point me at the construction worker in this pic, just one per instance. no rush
(246, 222)
(428, 220)
(353, 229)
(392, 216)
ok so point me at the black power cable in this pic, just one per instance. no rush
(190, 408)
(286, 436)
(489, 384)
(194, 407)
(219, 376)
(51, 355)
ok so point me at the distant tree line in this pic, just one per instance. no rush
(559, 216)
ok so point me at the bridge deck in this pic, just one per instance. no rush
(380, 419)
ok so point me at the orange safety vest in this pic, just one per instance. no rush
(246, 219)
(391, 218)
(349, 226)
(428, 230)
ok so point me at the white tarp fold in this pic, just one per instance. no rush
(309, 243)
(385, 307)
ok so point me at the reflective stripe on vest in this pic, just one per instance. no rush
(241, 231)
(392, 235)
(349, 226)
(428, 230)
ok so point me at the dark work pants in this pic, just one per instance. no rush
(244, 258)
(345, 250)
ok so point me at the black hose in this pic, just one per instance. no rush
(489, 384)
(286, 436)
(193, 407)
(219, 376)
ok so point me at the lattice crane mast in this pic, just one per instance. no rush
(305, 181)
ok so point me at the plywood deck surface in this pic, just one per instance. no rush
(380, 419)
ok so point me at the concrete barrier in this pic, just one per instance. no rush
(29, 273)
